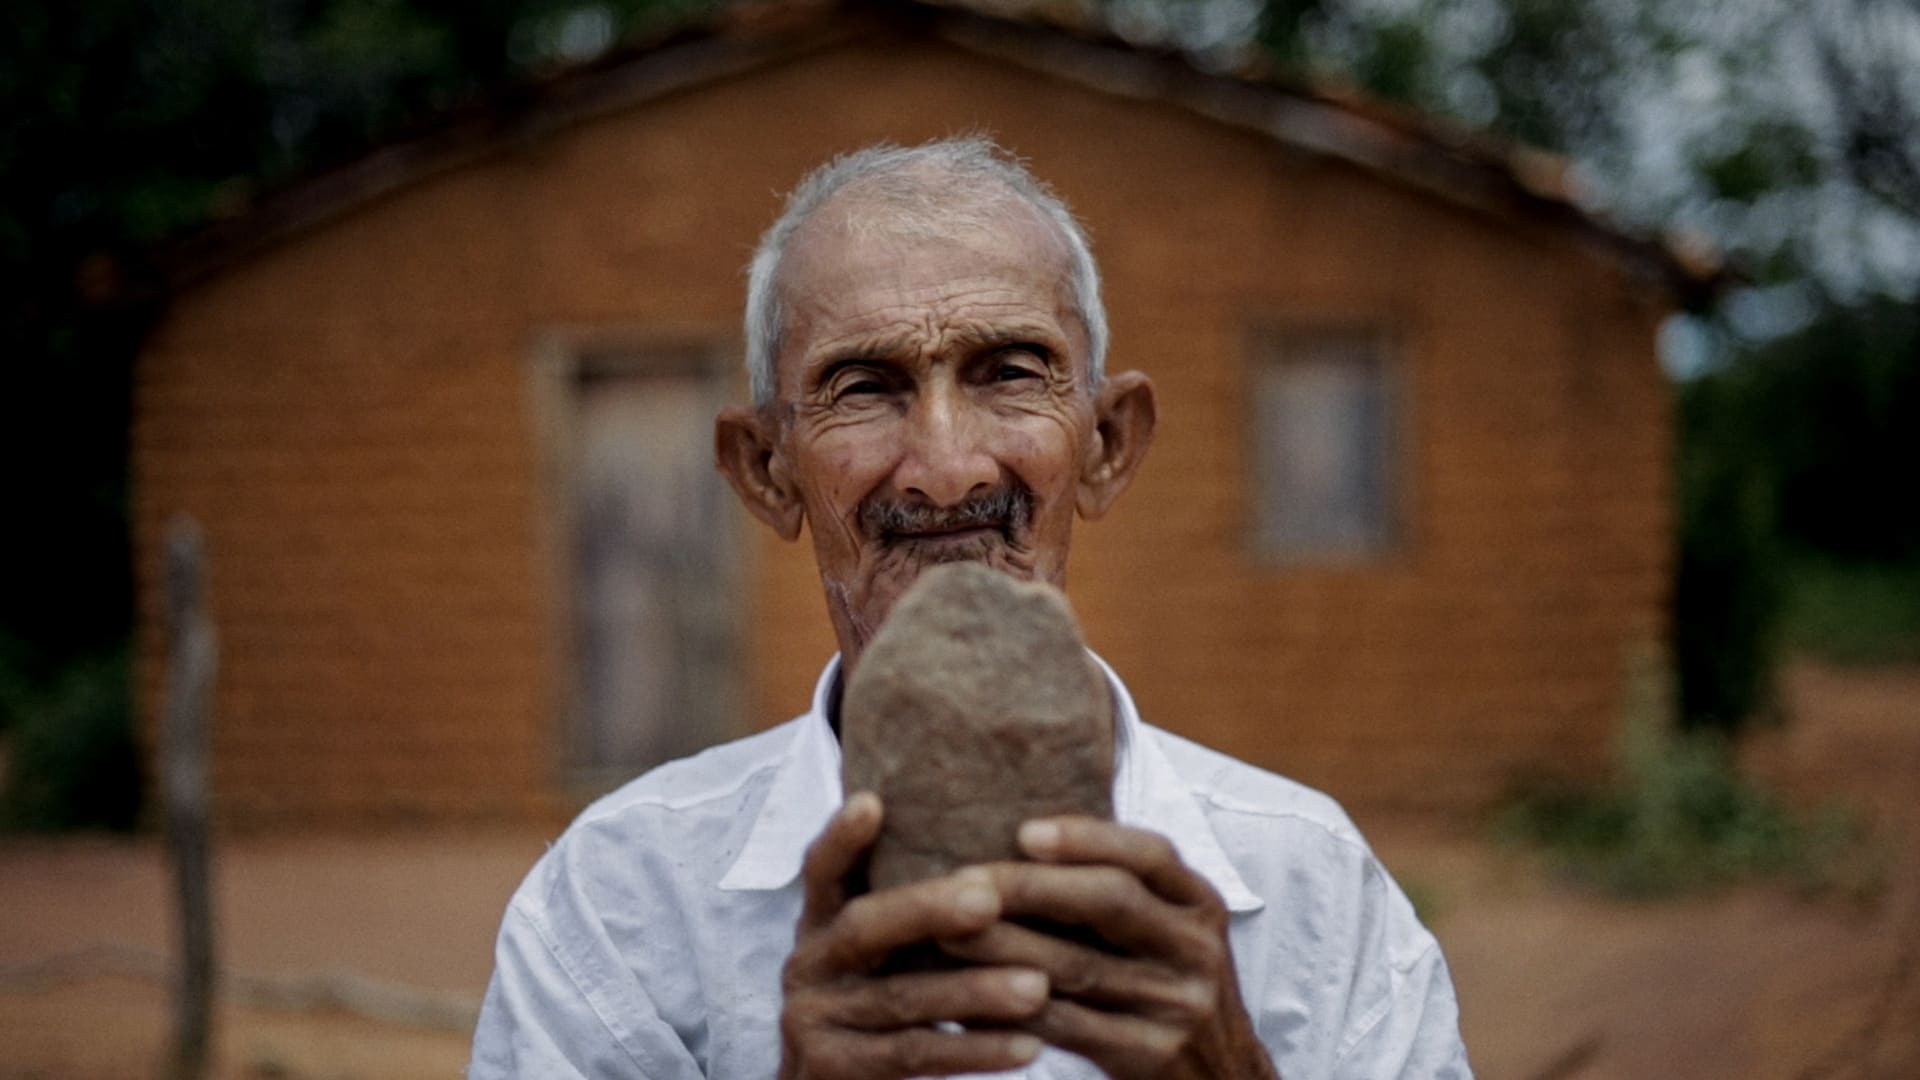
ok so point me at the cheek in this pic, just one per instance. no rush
(843, 470)
(1045, 455)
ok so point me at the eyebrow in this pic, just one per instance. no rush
(888, 349)
(871, 351)
(999, 337)
(857, 349)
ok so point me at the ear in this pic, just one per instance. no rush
(746, 447)
(1124, 416)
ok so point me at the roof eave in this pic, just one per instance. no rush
(1451, 164)
(696, 56)
(1459, 167)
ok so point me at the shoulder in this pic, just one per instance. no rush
(673, 828)
(1227, 786)
(600, 965)
(715, 775)
(1297, 850)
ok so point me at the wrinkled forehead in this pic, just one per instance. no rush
(1005, 277)
(925, 211)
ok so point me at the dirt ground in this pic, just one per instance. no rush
(365, 956)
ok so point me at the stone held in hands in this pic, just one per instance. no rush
(975, 708)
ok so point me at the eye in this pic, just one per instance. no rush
(1019, 362)
(856, 381)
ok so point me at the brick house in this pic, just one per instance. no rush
(445, 416)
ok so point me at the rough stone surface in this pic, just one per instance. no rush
(975, 708)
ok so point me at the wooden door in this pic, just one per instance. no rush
(654, 643)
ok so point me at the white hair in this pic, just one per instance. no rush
(929, 190)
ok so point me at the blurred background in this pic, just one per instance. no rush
(1539, 381)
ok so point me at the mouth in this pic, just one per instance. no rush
(963, 537)
(972, 529)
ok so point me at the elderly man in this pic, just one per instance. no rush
(926, 344)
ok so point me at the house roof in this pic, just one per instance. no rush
(1063, 40)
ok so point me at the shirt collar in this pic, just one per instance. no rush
(1147, 793)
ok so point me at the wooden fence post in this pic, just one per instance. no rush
(193, 653)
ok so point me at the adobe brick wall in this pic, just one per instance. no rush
(350, 415)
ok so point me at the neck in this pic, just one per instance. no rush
(835, 694)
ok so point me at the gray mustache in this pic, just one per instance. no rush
(1007, 508)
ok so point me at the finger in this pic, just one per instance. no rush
(870, 927)
(1080, 973)
(991, 995)
(1120, 1044)
(834, 854)
(923, 1051)
(1148, 855)
(1108, 900)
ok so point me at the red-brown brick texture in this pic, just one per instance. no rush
(352, 416)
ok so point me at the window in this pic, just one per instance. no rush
(1324, 424)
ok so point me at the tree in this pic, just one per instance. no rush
(123, 124)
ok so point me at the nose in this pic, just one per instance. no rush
(947, 454)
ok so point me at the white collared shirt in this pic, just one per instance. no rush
(649, 940)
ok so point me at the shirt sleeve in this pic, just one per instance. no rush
(1417, 1036)
(1343, 981)
(562, 1013)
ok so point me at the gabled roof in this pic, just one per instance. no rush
(1063, 42)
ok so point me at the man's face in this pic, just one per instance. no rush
(932, 405)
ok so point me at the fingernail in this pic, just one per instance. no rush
(1040, 838)
(1023, 1046)
(1027, 985)
(977, 901)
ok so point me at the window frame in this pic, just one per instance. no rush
(560, 362)
(1272, 342)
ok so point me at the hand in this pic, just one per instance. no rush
(1162, 1001)
(841, 1019)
